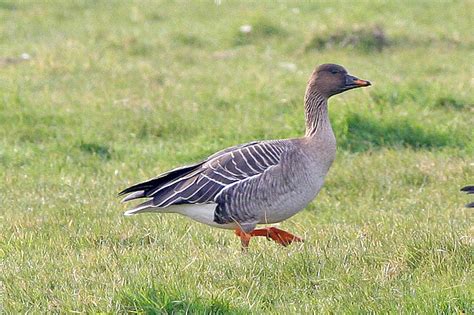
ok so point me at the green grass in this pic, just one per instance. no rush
(116, 92)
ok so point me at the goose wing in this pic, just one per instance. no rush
(203, 182)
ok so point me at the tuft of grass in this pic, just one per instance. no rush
(100, 150)
(365, 38)
(261, 29)
(190, 40)
(451, 102)
(401, 95)
(8, 6)
(364, 133)
(154, 301)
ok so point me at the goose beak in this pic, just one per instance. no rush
(353, 82)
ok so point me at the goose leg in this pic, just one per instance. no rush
(281, 237)
(244, 238)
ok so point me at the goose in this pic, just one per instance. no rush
(469, 190)
(261, 182)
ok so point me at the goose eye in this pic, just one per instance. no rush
(334, 71)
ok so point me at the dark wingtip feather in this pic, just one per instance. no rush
(140, 186)
(470, 205)
(468, 189)
(156, 182)
(134, 195)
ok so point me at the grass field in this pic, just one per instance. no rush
(114, 92)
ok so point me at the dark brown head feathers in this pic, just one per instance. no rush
(331, 79)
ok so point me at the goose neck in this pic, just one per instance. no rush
(316, 113)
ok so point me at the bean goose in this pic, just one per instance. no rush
(261, 182)
(469, 190)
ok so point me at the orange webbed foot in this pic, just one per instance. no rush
(281, 237)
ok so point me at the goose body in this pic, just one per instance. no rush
(303, 181)
(260, 182)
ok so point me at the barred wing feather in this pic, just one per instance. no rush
(202, 182)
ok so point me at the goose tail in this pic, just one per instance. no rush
(143, 207)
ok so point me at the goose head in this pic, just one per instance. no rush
(331, 79)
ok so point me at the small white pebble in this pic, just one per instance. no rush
(288, 66)
(245, 28)
(25, 56)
